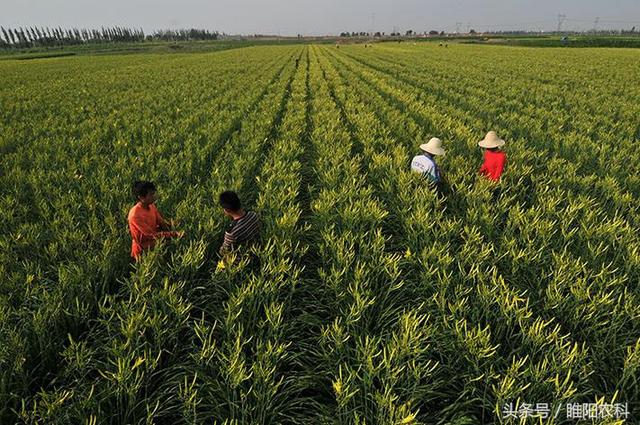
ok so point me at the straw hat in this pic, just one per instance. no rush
(433, 146)
(491, 140)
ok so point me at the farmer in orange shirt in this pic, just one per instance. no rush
(145, 222)
(494, 158)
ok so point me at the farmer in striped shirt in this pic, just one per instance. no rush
(245, 227)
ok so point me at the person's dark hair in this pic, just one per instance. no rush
(143, 188)
(229, 200)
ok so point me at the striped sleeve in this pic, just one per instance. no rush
(245, 229)
(229, 241)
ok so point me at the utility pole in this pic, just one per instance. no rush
(561, 18)
(468, 27)
(373, 23)
(595, 24)
(458, 25)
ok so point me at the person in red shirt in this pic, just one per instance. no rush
(145, 222)
(494, 158)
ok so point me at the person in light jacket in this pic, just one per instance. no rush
(425, 162)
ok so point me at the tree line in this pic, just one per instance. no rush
(408, 33)
(24, 37)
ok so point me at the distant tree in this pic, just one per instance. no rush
(433, 32)
(32, 35)
(23, 37)
(441, 32)
(185, 34)
(409, 33)
(24, 41)
(472, 31)
(5, 35)
(14, 36)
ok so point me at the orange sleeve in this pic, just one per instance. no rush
(137, 234)
(143, 239)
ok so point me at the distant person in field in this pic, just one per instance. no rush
(494, 158)
(425, 163)
(145, 222)
(245, 225)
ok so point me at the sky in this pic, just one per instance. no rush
(323, 17)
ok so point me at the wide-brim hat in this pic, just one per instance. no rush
(433, 146)
(491, 140)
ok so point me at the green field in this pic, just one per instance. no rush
(573, 40)
(374, 300)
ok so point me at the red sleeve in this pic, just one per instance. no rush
(498, 167)
(484, 170)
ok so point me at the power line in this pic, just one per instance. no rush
(560, 23)
(608, 21)
(515, 25)
(621, 22)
